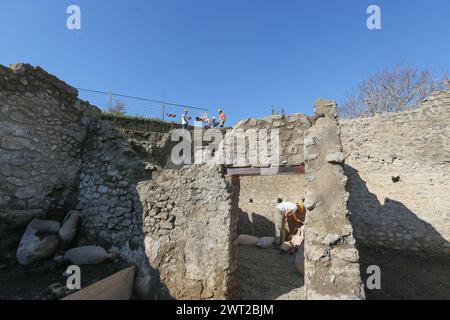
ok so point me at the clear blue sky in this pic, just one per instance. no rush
(241, 55)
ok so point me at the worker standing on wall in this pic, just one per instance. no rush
(288, 214)
(222, 118)
(185, 119)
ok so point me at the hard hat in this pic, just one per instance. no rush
(214, 118)
(220, 110)
(185, 110)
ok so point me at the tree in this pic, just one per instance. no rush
(398, 89)
(118, 108)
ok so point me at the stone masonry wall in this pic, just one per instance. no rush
(291, 130)
(332, 269)
(57, 154)
(112, 212)
(42, 130)
(399, 171)
(189, 226)
(258, 199)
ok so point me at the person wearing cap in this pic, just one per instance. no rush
(185, 119)
(288, 216)
(222, 118)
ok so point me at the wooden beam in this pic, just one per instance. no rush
(271, 171)
(119, 286)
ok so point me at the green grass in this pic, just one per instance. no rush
(117, 116)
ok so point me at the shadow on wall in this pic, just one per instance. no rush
(154, 289)
(113, 217)
(392, 237)
(255, 224)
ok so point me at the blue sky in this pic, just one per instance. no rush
(241, 55)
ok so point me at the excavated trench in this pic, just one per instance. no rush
(266, 274)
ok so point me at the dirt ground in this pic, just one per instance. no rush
(267, 274)
(407, 277)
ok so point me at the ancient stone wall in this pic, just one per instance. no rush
(288, 143)
(42, 129)
(399, 171)
(332, 268)
(108, 199)
(258, 198)
(190, 229)
(179, 226)
(58, 154)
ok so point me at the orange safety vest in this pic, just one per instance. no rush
(222, 116)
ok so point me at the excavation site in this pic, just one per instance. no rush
(324, 203)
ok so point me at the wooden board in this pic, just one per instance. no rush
(271, 171)
(118, 286)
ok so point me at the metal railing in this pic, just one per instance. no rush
(141, 107)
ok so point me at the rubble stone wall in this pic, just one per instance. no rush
(108, 199)
(399, 171)
(42, 130)
(58, 154)
(288, 143)
(190, 231)
(332, 269)
(179, 226)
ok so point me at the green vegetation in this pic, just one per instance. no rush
(119, 116)
(139, 124)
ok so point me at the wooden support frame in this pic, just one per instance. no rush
(118, 286)
(270, 171)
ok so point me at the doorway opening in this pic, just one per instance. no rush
(266, 274)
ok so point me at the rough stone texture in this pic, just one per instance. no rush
(179, 226)
(154, 147)
(291, 130)
(332, 268)
(112, 212)
(258, 200)
(57, 154)
(42, 130)
(190, 230)
(174, 224)
(399, 171)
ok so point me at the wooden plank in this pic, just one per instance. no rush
(271, 171)
(118, 286)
